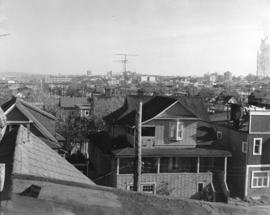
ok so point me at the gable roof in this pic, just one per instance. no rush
(150, 109)
(129, 105)
(32, 157)
(154, 106)
(26, 108)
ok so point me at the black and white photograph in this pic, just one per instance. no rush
(134, 107)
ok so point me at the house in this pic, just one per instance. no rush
(178, 152)
(79, 106)
(247, 136)
(41, 123)
(30, 162)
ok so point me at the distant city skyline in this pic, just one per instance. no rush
(178, 38)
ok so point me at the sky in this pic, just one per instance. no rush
(168, 37)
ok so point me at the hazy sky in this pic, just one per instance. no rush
(170, 37)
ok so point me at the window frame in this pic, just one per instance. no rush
(198, 184)
(256, 177)
(244, 146)
(175, 125)
(131, 187)
(149, 126)
(260, 146)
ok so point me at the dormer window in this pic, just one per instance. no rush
(176, 130)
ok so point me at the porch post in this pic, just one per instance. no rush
(158, 165)
(198, 164)
(225, 168)
(117, 166)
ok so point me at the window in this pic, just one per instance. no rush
(148, 131)
(200, 187)
(176, 130)
(146, 188)
(257, 146)
(244, 147)
(219, 135)
(260, 179)
(179, 131)
(87, 113)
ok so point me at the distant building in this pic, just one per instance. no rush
(263, 59)
(148, 78)
(88, 72)
(227, 76)
(57, 79)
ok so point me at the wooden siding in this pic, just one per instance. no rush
(189, 134)
(16, 115)
(232, 141)
(264, 158)
(182, 185)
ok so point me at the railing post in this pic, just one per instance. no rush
(158, 165)
(198, 164)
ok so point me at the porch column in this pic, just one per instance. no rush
(158, 165)
(225, 168)
(198, 164)
(117, 166)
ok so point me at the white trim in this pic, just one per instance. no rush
(247, 169)
(178, 118)
(10, 109)
(259, 171)
(177, 137)
(260, 146)
(160, 112)
(259, 112)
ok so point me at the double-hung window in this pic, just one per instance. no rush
(260, 179)
(257, 146)
(176, 130)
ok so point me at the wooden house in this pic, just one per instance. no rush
(247, 136)
(178, 154)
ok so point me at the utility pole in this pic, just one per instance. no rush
(138, 149)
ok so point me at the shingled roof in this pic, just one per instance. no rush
(152, 106)
(169, 152)
(129, 105)
(36, 116)
(32, 157)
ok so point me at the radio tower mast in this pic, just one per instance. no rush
(124, 62)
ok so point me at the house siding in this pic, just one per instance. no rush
(189, 134)
(232, 140)
(182, 185)
(264, 158)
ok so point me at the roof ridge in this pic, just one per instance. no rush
(36, 108)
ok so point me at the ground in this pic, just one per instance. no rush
(70, 200)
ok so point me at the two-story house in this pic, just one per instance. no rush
(247, 136)
(178, 154)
